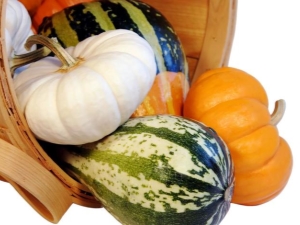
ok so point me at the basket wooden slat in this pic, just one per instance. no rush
(206, 29)
(46, 194)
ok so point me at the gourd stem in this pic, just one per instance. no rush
(50, 45)
(66, 59)
(229, 192)
(24, 59)
(278, 112)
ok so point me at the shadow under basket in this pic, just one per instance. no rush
(206, 30)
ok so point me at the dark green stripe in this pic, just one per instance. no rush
(80, 21)
(83, 22)
(186, 140)
(135, 165)
(120, 17)
(172, 51)
(134, 214)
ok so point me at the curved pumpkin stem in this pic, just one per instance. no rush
(24, 59)
(278, 112)
(50, 45)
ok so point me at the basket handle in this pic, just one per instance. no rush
(38, 186)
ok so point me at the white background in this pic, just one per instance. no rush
(266, 45)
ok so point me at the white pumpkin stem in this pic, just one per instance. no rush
(24, 59)
(50, 45)
(278, 112)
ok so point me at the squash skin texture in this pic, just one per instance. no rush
(166, 95)
(247, 192)
(46, 8)
(156, 170)
(235, 105)
(236, 114)
(86, 102)
(217, 86)
(247, 149)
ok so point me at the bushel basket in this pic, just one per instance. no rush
(206, 30)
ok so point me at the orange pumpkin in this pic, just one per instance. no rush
(235, 105)
(166, 95)
(49, 7)
(31, 5)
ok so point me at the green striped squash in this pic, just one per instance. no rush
(78, 22)
(157, 170)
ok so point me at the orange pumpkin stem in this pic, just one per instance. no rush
(278, 112)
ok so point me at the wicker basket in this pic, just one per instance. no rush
(206, 29)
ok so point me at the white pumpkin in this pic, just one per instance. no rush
(17, 28)
(89, 100)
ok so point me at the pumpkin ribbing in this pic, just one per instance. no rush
(235, 104)
(85, 99)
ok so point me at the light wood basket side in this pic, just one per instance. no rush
(17, 139)
(205, 29)
(46, 194)
(219, 36)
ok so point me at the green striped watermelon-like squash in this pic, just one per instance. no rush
(157, 170)
(76, 23)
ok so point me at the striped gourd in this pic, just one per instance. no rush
(80, 21)
(157, 170)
